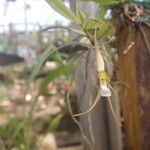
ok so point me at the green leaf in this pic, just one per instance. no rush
(59, 6)
(40, 60)
(92, 24)
(55, 123)
(2, 110)
(80, 15)
(105, 30)
(57, 58)
(105, 2)
(102, 12)
(19, 127)
(53, 74)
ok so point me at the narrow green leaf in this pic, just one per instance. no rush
(40, 60)
(102, 12)
(92, 24)
(55, 123)
(80, 15)
(57, 58)
(105, 2)
(105, 30)
(53, 74)
(60, 7)
(2, 110)
(19, 127)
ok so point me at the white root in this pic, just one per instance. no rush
(98, 96)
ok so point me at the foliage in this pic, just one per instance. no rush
(3, 91)
(106, 2)
(40, 60)
(55, 123)
(88, 26)
(16, 131)
(14, 134)
(95, 29)
(53, 74)
(63, 10)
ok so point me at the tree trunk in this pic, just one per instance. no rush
(134, 72)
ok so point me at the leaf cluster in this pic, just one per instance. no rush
(86, 25)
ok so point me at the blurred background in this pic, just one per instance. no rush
(29, 120)
(44, 59)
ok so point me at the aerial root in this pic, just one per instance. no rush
(92, 107)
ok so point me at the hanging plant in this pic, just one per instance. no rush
(95, 30)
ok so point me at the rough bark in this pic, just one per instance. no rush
(134, 72)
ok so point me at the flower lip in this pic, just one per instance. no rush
(105, 91)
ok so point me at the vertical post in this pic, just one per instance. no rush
(134, 92)
(128, 91)
(143, 83)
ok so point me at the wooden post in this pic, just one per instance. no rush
(134, 73)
